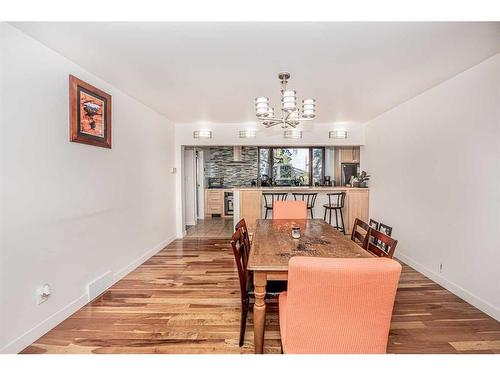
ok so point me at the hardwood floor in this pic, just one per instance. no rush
(217, 227)
(185, 299)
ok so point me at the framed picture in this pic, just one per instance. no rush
(90, 114)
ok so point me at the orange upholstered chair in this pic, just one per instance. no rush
(295, 210)
(338, 305)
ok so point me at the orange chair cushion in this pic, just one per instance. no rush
(290, 210)
(338, 305)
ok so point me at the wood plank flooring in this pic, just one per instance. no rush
(216, 227)
(185, 299)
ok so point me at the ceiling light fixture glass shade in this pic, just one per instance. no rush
(338, 134)
(289, 101)
(248, 133)
(293, 134)
(291, 114)
(262, 106)
(202, 134)
(309, 108)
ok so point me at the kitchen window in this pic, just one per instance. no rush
(290, 166)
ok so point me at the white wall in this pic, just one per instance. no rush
(189, 185)
(435, 166)
(71, 212)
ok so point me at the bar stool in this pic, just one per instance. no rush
(269, 198)
(309, 198)
(335, 203)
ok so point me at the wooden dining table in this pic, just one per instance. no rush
(272, 248)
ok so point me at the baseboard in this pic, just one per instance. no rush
(191, 223)
(26, 339)
(466, 295)
(137, 262)
(16, 345)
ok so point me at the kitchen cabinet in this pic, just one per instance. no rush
(251, 207)
(349, 155)
(356, 206)
(214, 202)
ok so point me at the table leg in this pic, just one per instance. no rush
(259, 310)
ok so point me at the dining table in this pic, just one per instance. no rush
(273, 246)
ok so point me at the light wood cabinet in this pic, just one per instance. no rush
(356, 206)
(214, 202)
(349, 155)
(251, 207)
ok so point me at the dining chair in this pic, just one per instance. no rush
(331, 306)
(384, 229)
(309, 198)
(373, 224)
(383, 246)
(358, 236)
(241, 255)
(296, 210)
(242, 224)
(270, 198)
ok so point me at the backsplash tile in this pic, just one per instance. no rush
(219, 163)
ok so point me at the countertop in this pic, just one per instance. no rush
(292, 188)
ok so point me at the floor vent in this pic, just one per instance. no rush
(99, 285)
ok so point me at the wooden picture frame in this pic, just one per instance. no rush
(90, 114)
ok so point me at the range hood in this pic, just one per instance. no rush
(237, 153)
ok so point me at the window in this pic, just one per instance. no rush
(288, 166)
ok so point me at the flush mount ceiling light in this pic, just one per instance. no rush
(293, 134)
(290, 113)
(338, 134)
(202, 134)
(249, 133)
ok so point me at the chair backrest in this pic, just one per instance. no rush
(309, 198)
(269, 198)
(242, 225)
(336, 199)
(295, 210)
(373, 224)
(383, 246)
(360, 236)
(385, 229)
(241, 257)
(332, 306)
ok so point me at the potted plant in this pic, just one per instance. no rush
(362, 178)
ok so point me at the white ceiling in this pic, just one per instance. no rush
(211, 72)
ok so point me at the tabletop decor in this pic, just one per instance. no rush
(90, 114)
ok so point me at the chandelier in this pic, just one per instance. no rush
(290, 113)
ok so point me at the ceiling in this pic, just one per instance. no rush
(211, 72)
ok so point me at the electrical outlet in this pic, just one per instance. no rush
(440, 267)
(43, 293)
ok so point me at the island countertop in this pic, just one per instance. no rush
(292, 188)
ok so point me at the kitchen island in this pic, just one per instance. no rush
(249, 203)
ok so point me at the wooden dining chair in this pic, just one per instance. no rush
(241, 255)
(295, 210)
(359, 237)
(383, 246)
(331, 307)
(242, 224)
(373, 224)
(384, 228)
